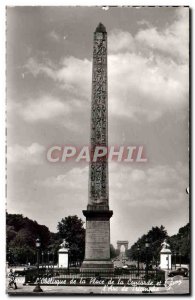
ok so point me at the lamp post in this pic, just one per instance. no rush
(27, 258)
(48, 258)
(147, 289)
(180, 259)
(37, 288)
(175, 260)
(147, 244)
(53, 258)
(42, 258)
(157, 264)
(175, 256)
(138, 250)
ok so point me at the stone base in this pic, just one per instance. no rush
(63, 258)
(97, 242)
(95, 266)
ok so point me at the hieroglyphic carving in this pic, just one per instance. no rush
(98, 181)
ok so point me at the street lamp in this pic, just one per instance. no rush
(27, 258)
(48, 258)
(37, 287)
(138, 250)
(180, 259)
(53, 258)
(147, 245)
(175, 255)
(42, 259)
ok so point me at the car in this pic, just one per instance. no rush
(132, 267)
(125, 267)
(179, 271)
(30, 268)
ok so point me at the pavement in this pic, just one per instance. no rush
(176, 285)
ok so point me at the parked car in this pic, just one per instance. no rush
(179, 271)
(125, 267)
(132, 267)
(30, 268)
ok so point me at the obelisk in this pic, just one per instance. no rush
(97, 239)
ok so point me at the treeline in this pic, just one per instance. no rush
(179, 245)
(23, 232)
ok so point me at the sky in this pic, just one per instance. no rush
(49, 72)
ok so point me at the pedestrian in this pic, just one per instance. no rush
(12, 282)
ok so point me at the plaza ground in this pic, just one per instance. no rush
(177, 286)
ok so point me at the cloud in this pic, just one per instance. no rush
(161, 186)
(144, 23)
(173, 40)
(147, 85)
(120, 41)
(35, 68)
(53, 35)
(153, 66)
(31, 155)
(74, 179)
(67, 114)
(142, 197)
(72, 74)
(43, 108)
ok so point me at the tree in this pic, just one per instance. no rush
(10, 233)
(21, 236)
(21, 255)
(155, 236)
(26, 231)
(180, 243)
(71, 229)
(113, 252)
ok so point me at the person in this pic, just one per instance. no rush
(12, 282)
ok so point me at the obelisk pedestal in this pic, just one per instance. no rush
(97, 244)
(97, 239)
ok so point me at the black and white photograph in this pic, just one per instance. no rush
(98, 150)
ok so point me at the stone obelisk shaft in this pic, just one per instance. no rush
(97, 237)
(98, 171)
